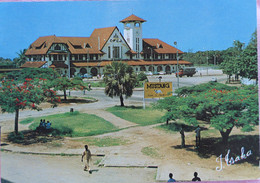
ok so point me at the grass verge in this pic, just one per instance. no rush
(137, 115)
(27, 121)
(76, 124)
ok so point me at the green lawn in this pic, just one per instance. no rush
(76, 124)
(137, 115)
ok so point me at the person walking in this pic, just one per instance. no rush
(197, 131)
(171, 179)
(87, 156)
(182, 137)
(196, 178)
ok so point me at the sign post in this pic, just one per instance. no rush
(157, 89)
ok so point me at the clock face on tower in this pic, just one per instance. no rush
(137, 33)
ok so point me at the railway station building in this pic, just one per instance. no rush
(73, 56)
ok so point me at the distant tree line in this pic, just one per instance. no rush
(238, 60)
(6, 63)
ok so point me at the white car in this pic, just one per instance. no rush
(148, 73)
(162, 73)
(214, 79)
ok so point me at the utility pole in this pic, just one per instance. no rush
(175, 43)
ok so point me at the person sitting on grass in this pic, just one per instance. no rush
(48, 126)
(41, 125)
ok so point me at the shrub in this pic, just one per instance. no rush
(12, 137)
(141, 76)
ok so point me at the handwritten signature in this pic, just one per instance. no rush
(231, 160)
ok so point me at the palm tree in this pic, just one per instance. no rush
(21, 57)
(120, 80)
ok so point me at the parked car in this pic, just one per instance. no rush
(188, 71)
(214, 79)
(148, 73)
(162, 73)
(88, 76)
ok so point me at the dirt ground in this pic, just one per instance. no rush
(182, 161)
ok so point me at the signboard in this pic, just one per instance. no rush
(157, 89)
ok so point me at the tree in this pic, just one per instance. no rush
(21, 59)
(241, 61)
(232, 59)
(248, 67)
(120, 80)
(63, 84)
(224, 109)
(30, 94)
(45, 73)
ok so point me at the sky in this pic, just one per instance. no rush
(196, 25)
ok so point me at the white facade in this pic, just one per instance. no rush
(134, 36)
(115, 48)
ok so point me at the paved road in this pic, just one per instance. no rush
(21, 168)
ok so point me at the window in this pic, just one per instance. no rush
(116, 52)
(55, 57)
(80, 57)
(137, 24)
(109, 55)
(60, 57)
(57, 47)
(137, 48)
(163, 56)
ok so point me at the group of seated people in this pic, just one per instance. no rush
(44, 126)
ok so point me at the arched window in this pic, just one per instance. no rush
(137, 24)
(83, 71)
(159, 68)
(142, 68)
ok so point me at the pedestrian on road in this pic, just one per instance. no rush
(196, 178)
(171, 179)
(182, 137)
(87, 156)
(197, 131)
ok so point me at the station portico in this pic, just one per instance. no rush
(72, 56)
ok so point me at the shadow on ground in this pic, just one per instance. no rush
(176, 127)
(77, 101)
(28, 137)
(214, 147)
(5, 181)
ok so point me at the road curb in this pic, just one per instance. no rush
(48, 154)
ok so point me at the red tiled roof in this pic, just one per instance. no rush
(101, 36)
(33, 64)
(58, 65)
(131, 52)
(132, 18)
(159, 46)
(43, 44)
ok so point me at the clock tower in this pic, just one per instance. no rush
(133, 33)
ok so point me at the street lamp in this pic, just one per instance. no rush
(175, 43)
